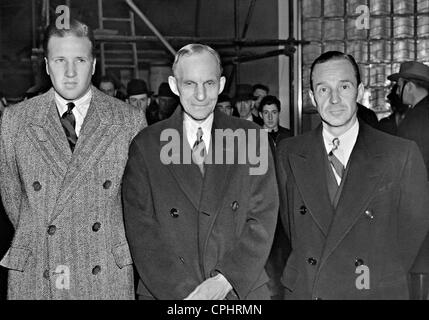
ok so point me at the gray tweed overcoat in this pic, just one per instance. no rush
(69, 240)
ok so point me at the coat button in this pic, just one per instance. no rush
(303, 210)
(174, 212)
(107, 184)
(369, 214)
(96, 226)
(51, 230)
(37, 186)
(312, 261)
(235, 205)
(96, 270)
(358, 262)
(46, 274)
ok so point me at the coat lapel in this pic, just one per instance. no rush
(308, 168)
(214, 187)
(99, 129)
(187, 175)
(366, 170)
(47, 135)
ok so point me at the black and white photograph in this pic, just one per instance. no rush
(244, 150)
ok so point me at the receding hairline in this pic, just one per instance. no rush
(193, 49)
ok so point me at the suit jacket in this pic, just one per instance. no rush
(415, 126)
(66, 207)
(381, 218)
(182, 229)
(276, 137)
(389, 125)
(367, 115)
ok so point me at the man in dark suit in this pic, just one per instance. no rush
(199, 229)
(413, 89)
(269, 111)
(354, 200)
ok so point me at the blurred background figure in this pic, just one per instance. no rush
(163, 104)
(390, 124)
(138, 94)
(224, 104)
(259, 91)
(244, 102)
(270, 110)
(107, 85)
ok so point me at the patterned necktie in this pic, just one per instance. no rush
(199, 151)
(68, 122)
(338, 166)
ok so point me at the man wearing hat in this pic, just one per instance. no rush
(244, 101)
(138, 94)
(413, 89)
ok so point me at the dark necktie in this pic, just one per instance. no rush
(338, 166)
(199, 151)
(68, 122)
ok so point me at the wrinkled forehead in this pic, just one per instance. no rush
(203, 61)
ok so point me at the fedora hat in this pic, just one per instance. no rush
(411, 70)
(244, 92)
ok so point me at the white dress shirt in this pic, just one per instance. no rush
(79, 111)
(347, 143)
(191, 127)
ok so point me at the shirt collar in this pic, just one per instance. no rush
(81, 104)
(191, 127)
(347, 141)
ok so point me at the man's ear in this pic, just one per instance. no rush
(46, 66)
(313, 100)
(222, 82)
(93, 66)
(361, 92)
(172, 82)
(148, 101)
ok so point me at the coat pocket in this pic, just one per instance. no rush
(289, 277)
(16, 258)
(122, 255)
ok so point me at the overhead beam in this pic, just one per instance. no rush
(151, 26)
(241, 59)
(212, 41)
(248, 18)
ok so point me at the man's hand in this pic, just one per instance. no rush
(215, 288)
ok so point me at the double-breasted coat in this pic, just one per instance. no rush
(182, 229)
(69, 240)
(363, 248)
